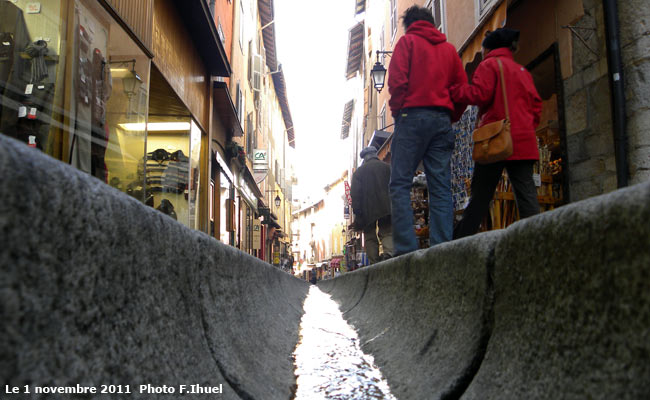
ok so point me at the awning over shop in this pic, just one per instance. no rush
(252, 184)
(225, 108)
(199, 22)
(269, 218)
(347, 119)
(495, 21)
(355, 50)
(384, 151)
(378, 138)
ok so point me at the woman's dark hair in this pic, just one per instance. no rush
(416, 13)
(502, 37)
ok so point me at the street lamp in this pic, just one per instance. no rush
(277, 200)
(378, 72)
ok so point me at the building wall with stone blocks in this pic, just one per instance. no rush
(634, 17)
(589, 136)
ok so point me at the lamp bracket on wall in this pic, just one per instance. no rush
(573, 30)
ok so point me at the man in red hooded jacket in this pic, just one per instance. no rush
(423, 68)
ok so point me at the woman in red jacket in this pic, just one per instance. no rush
(525, 107)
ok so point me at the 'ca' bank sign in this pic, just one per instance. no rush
(260, 160)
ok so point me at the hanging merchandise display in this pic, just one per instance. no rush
(57, 79)
(27, 76)
(168, 172)
(462, 165)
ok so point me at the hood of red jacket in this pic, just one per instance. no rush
(500, 52)
(427, 31)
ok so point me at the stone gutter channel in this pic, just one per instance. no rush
(96, 288)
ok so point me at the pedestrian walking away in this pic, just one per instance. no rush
(525, 106)
(423, 68)
(371, 204)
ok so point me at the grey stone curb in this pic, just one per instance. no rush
(97, 288)
(555, 306)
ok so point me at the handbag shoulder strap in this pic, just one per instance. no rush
(503, 88)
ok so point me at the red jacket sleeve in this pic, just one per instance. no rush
(398, 72)
(482, 89)
(459, 78)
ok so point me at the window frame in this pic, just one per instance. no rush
(443, 17)
(393, 19)
(240, 103)
(483, 7)
(241, 26)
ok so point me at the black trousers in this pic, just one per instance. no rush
(484, 182)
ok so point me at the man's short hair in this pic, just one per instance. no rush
(415, 13)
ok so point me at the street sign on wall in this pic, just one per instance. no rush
(257, 234)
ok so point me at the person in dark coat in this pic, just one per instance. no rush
(371, 204)
(525, 107)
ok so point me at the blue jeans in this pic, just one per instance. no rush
(421, 135)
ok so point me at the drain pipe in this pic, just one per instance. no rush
(617, 88)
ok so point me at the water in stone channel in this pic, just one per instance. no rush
(329, 361)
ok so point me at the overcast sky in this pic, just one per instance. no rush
(311, 41)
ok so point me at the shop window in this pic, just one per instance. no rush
(226, 209)
(195, 175)
(483, 6)
(94, 117)
(438, 10)
(211, 202)
(168, 169)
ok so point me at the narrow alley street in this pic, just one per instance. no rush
(351, 199)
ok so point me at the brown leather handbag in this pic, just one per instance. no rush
(492, 142)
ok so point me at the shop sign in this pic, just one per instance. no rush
(257, 234)
(346, 212)
(276, 257)
(260, 160)
(348, 199)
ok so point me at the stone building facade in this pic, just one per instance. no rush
(588, 109)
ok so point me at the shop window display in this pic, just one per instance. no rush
(29, 63)
(64, 89)
(168, 169)
(226, 211)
